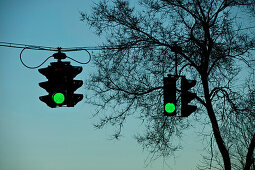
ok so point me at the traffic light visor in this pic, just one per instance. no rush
(58, 98)
(170, 107)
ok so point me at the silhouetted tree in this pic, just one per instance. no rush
(237, 131)
(140, 52)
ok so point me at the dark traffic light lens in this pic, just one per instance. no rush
(169, 107)
(58, 98)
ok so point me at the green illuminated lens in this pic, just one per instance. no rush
(169, 107)
(58, 98)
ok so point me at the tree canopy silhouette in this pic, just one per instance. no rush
(216, 47)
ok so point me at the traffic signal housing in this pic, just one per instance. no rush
(169, 95)
(61, 84)
(187, 97)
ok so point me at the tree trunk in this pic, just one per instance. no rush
(249, 157)
(223, 150)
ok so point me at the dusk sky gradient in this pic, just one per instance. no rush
(36, 137)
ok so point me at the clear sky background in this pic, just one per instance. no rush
(36, 137)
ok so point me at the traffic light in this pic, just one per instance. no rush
(61, 84)
(169, 95)
(187, 96)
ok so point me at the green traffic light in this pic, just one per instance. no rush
(58, 98)
(169, 107)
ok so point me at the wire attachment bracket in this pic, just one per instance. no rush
(59, 55)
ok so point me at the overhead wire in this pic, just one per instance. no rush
(58, 49)
(34, 47)
(87, 49)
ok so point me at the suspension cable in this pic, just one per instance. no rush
(87, 49)
(34, 47)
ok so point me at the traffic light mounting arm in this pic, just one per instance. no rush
(135, 93)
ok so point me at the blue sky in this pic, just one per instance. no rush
(36, 137)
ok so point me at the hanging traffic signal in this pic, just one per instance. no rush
(61, 84)
(169, 95)
(187, 96)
